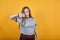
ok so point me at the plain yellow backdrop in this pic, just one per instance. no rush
(46, 12)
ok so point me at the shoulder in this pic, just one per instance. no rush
(33, 19)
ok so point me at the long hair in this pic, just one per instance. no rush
(30, 16)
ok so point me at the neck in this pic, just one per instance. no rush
(27, 16)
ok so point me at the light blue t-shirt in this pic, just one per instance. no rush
(29, 26)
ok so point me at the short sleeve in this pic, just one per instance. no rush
(18, 20)
(35, 22)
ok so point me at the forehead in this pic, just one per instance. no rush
(26, 9)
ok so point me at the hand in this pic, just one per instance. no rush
(21, 15)
(36, 38)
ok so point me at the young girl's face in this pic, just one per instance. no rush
(26, 12)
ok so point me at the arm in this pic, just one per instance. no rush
(13, 17)
(36, 34)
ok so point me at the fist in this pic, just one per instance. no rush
(21, 15)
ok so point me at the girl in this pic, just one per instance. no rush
(27, 24)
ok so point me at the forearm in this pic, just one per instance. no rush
(36, 33)
(13, 16)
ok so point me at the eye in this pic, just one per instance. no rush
(26, 11)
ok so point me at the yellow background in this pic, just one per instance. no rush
(46, 12)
